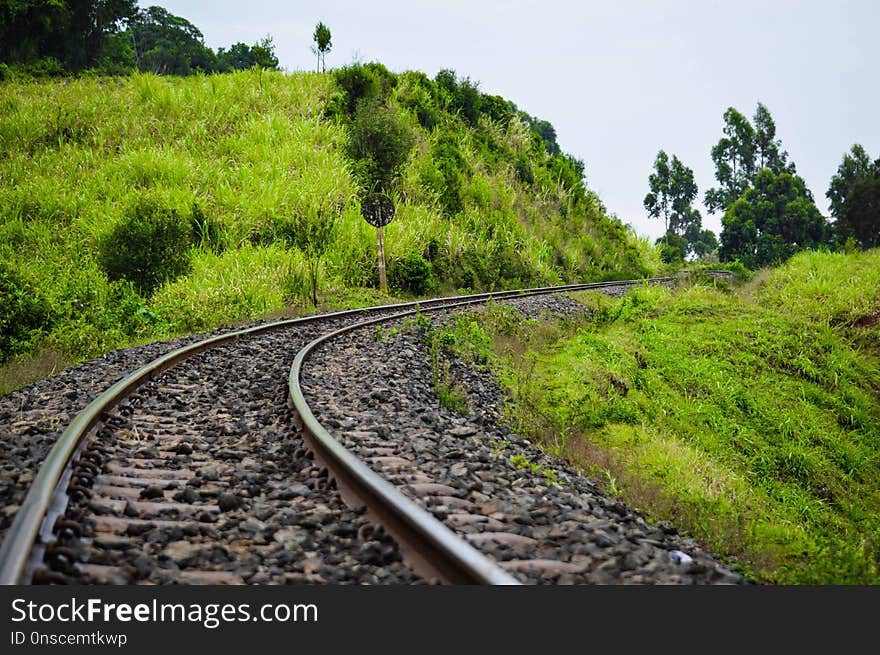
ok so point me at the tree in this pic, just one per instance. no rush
(861, 221)
(658, 200)
(322, 43)
(88, 25)
(672, 190)
(168, 44)
(672, 193)
(263, 52)
(768, 147)
(684, 191)
(856, 167)
(75, 32)
(771, 221)
(700, 242)
(734, 157)
(27, 27)
(242, 57)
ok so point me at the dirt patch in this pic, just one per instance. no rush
(866, 321)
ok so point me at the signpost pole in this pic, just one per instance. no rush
(378, 210)
(383, 281)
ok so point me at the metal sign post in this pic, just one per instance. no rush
(383, 280)
(378, 210)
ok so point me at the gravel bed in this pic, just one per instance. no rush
(249, 502)
(377, 398)
(32, 418)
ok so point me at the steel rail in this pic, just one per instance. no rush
(432, 549)
(34, 513)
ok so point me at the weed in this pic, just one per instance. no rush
(520, 462)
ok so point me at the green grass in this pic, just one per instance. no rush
(830, 288)
(254, 151)
(747, 419)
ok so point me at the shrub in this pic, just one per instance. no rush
(462, 97)
(496, 108)
(524, 170)
(673, 248)
(739, 271)
(412, 273)
(361, 83)
(45, 67)
(379, 142)
(148, 247)
(23, 313)
(452, 168)
(416, 94)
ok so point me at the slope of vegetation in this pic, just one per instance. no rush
(750, 418)
(245, 166)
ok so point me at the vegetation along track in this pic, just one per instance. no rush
(191, 471)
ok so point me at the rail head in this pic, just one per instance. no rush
(435, 550)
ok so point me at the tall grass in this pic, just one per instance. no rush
(831, 288)
(251, 152)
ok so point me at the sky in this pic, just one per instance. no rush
(618, 80)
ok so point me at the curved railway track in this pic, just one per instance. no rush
(189, 471)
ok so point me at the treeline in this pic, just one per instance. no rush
(115, 37)
(769, 214)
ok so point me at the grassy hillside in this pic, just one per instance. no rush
(750, 417)
(243, 159)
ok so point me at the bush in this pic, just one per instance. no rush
(452, 168)
(45, 67)
(739, 271)
(412, 273)
(380, 141)
(23, 313)
(461, 97)
(150, 246)
(361, 83)
(672, 248)
(416, 94)
(524, 170)
(496, 108)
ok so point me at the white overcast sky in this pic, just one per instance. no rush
(618, 79)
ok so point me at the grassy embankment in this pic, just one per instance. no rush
(249, 155)
(748, 417)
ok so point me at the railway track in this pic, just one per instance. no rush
(191, 470)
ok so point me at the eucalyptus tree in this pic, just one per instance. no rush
(672, 190)
(853, 195)
(659, 199)
(734, 157)
(862, 221)
(771, 221)
(741, 153)
(323, 44)
(768, 149)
